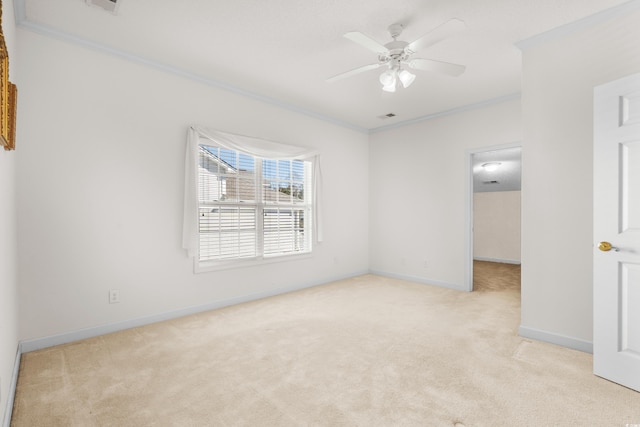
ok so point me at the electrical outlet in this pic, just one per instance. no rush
(114, 296)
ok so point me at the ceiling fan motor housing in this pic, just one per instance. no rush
(396, 53)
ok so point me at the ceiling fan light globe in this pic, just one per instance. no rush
(390, 87)
(406, 78)
(388, 78)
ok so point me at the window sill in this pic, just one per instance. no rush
(207, 266)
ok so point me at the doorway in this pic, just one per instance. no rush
(494, 206)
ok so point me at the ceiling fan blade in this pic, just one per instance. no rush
(366, 41)
(437, 66)
(436, 35)
(353, 72)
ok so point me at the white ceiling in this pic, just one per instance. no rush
(283, 50)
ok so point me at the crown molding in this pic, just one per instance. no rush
(456, 110)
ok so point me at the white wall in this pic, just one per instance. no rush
(100, 190)
(496, 226)
(8, 236)
(418, 191)
(557, 202)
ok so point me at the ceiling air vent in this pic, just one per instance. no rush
(108, 5)
(386, 116)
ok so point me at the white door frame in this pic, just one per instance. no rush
(468, 274)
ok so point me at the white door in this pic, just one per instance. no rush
(616, 298)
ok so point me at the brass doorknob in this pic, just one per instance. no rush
(606, 247)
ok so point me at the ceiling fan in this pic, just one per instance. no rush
(397, 55)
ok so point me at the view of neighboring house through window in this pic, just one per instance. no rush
(251, 207)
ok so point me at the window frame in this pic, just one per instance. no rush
(261, 205)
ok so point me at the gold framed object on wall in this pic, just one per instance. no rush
(8, 97)
(3, 45)
(4, 102)
(11, 116)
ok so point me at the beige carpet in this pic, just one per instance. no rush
(367, 351)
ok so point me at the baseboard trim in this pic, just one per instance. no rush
(11, 396)
(561, 340)
(421, 280)
(500, 260)
(67, 337)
